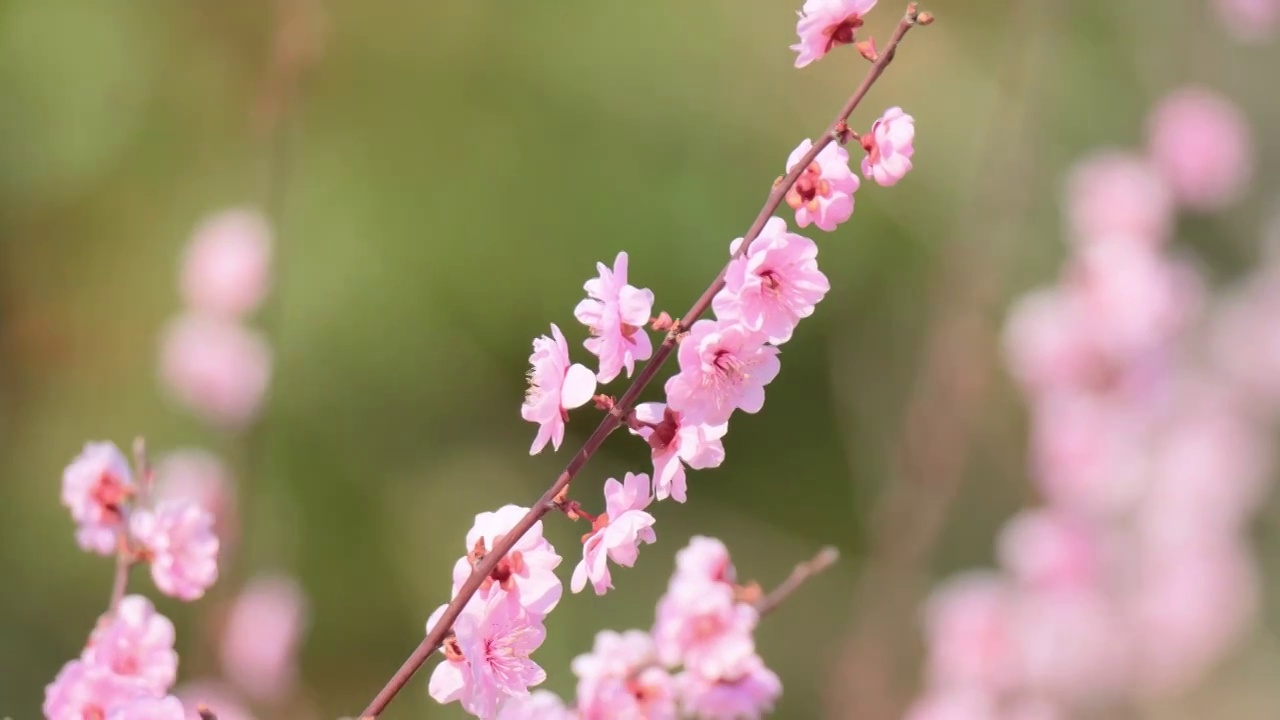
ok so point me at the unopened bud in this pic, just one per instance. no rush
(603, 402)
(867, 49)
(924, 18)
(662, 323)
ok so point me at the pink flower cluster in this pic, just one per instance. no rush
(699, 660)
(125, 672)
(1151, 455)
(174, 536)
(210, 361)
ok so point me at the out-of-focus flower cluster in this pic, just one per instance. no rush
(1153, 403)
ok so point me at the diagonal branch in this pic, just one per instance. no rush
(838, 129)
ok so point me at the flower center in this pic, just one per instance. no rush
(869, 144)
(842, 32)
(664, 433)
(110, 492)
(504, 572)
(729, 366)
(808, 188)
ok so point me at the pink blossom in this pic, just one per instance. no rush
(823, 194)
(487, 660)
(701, 625)
(1249, 21)
(526, 574)
(555, 387)
(889, 145)
(1189, 609)
(824, 24)
(151, 708)
(723, 367)
(1244, 341)
(136, 642)
(1049, 344)
(616, 313)
(968, 627)
(705, 559)
(676, 444)
(954, 704)
(1070, 642)
(84, 691)
(774, 285)
(200, 477)
(1118, 194)
(1201, 143)
(213, 695)
(620, 678)
(617, 533)
(260, 639)
(226, 269)
(96, 486)
(1048, 549)
(177, 538)
(537, 705)
(749, 693)
(217, 368)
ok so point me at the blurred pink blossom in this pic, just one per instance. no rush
(137, 643)
(825, 24)
(749, 693)
(705, 559)
(616, 314)
(526, 574)
(723, 367)
(675, 444)
(772, 287)
(619, 678)
(177, 538)
(151, 708)
(537, 705)
(1245, 340)
(555, 387)
(217, 368)
(954, 704)
(1070, 643)
(1202, 144)
(616, 533)
(264, 628)
(1049, 549)
(971, 642)
(226, 269)
(1118, 194)
(95, 486)
(84, 691)
(200, 477)
(889, 145)
(823, 194)
(1049, 344)
(701, 625)
(1249, 21)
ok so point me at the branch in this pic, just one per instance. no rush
(825, 558)
(839, 128)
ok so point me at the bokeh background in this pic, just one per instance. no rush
(450, 174)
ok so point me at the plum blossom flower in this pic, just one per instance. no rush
(774, 285)
(487, 659)
(824, 24)
(177, 538)
(968, 624)
(84, 690)
(823, 194)
(617, 533)
(1249, 21)
(526, 574)
(555, 387)
(199, 476)
(702, 626)
(749, 693)
(1201, 143)
(226, 269)
(705, 559)
(616, 313)
(136, 643)
(260, 639)
(1118, 194)
(95, 487)
(217, 368)
(1050, 549)
(676, 444)
(889, 146)
(537, 705)
(150, 708)
(620, 678)
(723, 367)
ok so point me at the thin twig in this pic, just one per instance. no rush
(612, 420)
(124, 561)
(825, 558)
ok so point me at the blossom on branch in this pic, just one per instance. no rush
(617, 533)
(177, 538)
(616, 314)
(677, 443)
(773, 286)
(724, 366)
(555, 387)
(889, 146)
(526, 574)
(96, 486)
(824, 24)
(823, 194)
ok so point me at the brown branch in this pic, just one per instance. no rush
(838, 128)
(124, 561)
(825, 558)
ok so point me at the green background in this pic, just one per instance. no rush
(455, 169)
